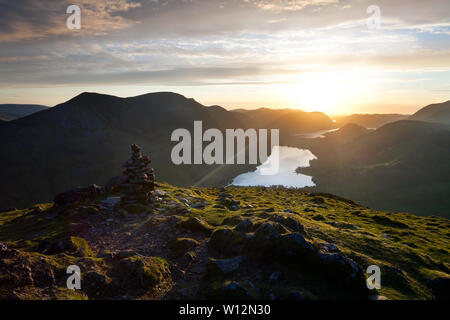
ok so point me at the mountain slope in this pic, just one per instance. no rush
(401, 166)
(438, 112)
(369, 120)
(9, 112)
(84, 141)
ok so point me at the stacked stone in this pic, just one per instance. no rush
(138, 181)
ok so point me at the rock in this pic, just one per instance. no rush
(267, 232)
(339, 260)
(43, 275)
(375, 297)
(95, 283)
(224, 266)
(125, 254)
(329, 247)
(234, 290)
(113, 184)
(319, 217)
(3, 246)
(292, 224)
(234, 208)
(160, 193)
(294, 245)
(232, 221)
(318, 200)
(226, 241)
(181, 245)
(187, 259)
(345, 271)
(78, 195)
(245, 225)
(198, 205)
(275, 276)
(138, 181)
(196, 225)
(295, 295)
(440, 288)
(13, 296)
(141, 273)
(51, 248)
(111, 201)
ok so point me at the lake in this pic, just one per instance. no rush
(290, 160)
(316, 134)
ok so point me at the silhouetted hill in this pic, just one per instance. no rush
(85, 139)
(402, 166)
(369, 120)
(291, 121)
(438, 112)
(347, 133)
(9, 112)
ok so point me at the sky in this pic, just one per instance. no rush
(335, 56)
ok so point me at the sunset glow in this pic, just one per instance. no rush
(310, 55)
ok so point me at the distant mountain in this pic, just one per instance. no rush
(291, 121)
(9, 112)
(438, 112)
(347, 133)
(86, 139)
(369, 120)
(401, 166)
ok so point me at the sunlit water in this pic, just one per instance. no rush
(316, 134)
(290, 160)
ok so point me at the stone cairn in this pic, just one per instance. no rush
(138, 181)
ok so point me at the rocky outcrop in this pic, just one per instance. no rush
(78, 195)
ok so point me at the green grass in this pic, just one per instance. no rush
(419, 246)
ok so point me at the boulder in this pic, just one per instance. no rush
(224, 266)
(226, 241)
(290, 223)
(294, 245)
(182, 245)
(78, 195)
(95, 284)
(141, 273)
(196, 225)
(440, 288)
(230, 291)
(267, 232)
(245, 225)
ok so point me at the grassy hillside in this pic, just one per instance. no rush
(249, 243)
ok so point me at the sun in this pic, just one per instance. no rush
(321, 91)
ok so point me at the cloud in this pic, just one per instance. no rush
(289, 5)
(37, 19)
